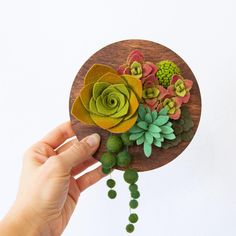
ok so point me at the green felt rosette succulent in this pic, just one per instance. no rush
(151, 128)
(108, 100)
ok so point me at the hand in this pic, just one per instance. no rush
(49, 190)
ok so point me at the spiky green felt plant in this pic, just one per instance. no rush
(151, 128)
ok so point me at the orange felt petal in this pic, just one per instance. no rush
(85, 94)
(111, 78)
(79, 112)
(105, 122)
(124, 125)
(134, 84)
(133, 105)
(96, 72)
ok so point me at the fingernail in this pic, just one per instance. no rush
(93, 140)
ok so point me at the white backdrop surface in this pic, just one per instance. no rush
(42, 46)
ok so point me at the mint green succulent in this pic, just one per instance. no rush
(166, 69)
(151, 128)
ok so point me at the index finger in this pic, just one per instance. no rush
(59, 135)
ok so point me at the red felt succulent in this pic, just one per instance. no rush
(180, 88)
(137, 66)
(153, 93)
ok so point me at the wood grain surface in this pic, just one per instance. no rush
(115, 55)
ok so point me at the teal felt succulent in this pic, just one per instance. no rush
(151, 128)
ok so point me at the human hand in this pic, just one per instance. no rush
(49, 190)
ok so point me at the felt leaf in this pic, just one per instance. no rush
(111, 78)
(105, 122)
(154, 129)
(147, 149)
(134, 84)
(125, 125)
(188, 124)
(85, 94)
(163, 111)
(155, 135)
(161, 120)
(148, 110)
(187, 136)
(143, 125)
(140, 140)
(93, 107)
(97, 71)
(133, 105)
(135, 129)
(169, 136)
(123, 89)
(136, 136)
(154, 115)
(166, 129)
(169, 124)
(79, 112)
(123, 111)
(148, 138)
(177, 129)
(157, 143)
(98, 88)
(148, 118)
(141, 112)
(171, 143)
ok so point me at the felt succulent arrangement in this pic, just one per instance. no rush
(140, 103)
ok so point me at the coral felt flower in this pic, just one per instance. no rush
(136, 66)
(180, 87)
(108, 100)
(153, 93)
(172, 106)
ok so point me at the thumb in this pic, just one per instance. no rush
(80, 151)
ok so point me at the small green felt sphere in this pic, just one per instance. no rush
(108, 160)
(133, 187)
(130, 228)
(131, 176)
(133, 218)
(106, 171)
(114, 144)
(135, 194)
(133, 204)
(111, 183)
(123, 159)
(112, 194)
(125, 139)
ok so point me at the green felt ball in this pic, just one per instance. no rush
(125, 139)
(133, 218)
(130, 228)
(111, 183)
(135, 194)
(133, 187)
(123, 159)
(108, 160)
(114, 144)
(106, 171)
(133, 204)
(131, 176)
(112, 194)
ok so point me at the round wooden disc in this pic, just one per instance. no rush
(115, 55)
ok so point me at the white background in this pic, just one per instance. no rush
(42, 46)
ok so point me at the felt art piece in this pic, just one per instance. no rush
(144, 101)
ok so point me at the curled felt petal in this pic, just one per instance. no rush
(125, 125)
(79, 112)
(135, 55)
(103, 108)
(133, 105)
(176, 115)
(186, 98)
(85, 94)
(98, 88)
(96, 71)
(111, 78)
(93, 107)
(122, 112)
(188, 84)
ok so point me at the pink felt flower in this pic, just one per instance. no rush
(180, 87)
(172, 104)
(153, 93)
(137, 66)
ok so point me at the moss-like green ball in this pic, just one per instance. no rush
(133, 187)
(130, 228)
(133, 204)
(125, 139)
(114, 144)
(108, 160)
(135, 194)
(106, 171)
(123, 159)
(133, 218)
(131, 176)
(111, 183)
(112, 194)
